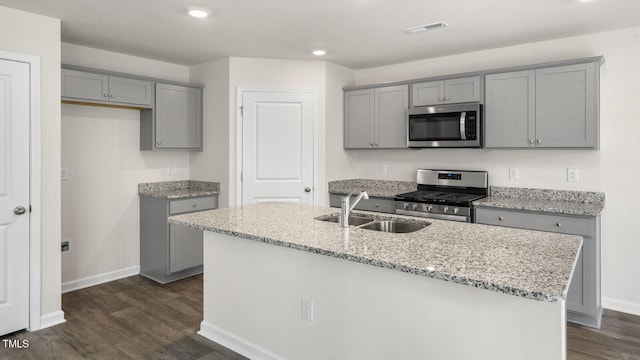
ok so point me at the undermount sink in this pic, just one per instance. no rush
(353, 219)
(393, 226)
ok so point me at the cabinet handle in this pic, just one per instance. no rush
(105, 95)
(558, 224)
(158, 142)
(500, 218)
(195, 205)
(441, 99)
(112, 96)
(530, 141)
(446, 98)
(539, 141)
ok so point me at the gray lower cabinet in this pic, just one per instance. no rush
(376, 118)
(170, 252)
(554, 107)
(449, 91)
(384, 205)
(84, 86)
(583, 298)
(176, 120)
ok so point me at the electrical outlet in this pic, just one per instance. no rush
(65, 246)
(572, 175)
(383, 169)
(514, 173)
(64, 174)
(307, 309)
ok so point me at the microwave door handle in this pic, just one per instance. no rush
(463, 117)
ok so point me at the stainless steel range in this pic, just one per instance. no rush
(444, 194)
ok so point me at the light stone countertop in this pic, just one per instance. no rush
(183, 189)
(376, 188)
(530, 264)
(585, 203)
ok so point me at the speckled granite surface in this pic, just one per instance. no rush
(585, 203)
(178, 189)
(530, 264)
(378, 188)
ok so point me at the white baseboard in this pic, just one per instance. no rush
(51, 319)
(99, 279)
(235, 343)
(620, 305)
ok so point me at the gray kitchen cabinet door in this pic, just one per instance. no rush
(510, 109)
(446, 91)
(427, 93)
(566, 106)
(185, 248)
(359, 129)
(462, 90)
(84, 85)
(130, 91)
(584, 296)
(391, 104)
(178, 117)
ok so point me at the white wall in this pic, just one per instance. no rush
(101, 150)
(339, 163)
(614, 169)
(39, 35)
(212, 164)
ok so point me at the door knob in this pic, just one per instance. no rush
(19, 210)
(307, 189)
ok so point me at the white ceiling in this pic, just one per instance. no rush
(355, 33)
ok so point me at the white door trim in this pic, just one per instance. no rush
(34, 186)
(239, 144)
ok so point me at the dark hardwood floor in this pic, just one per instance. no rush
(135, 318)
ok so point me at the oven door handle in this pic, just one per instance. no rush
(463, 118)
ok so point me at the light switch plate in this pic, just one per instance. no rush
(514, 173)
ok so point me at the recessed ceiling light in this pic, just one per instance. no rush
(319, 52)
(199, 12)
(421, 28)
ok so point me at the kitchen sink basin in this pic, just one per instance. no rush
(393, 226)
(353, 219)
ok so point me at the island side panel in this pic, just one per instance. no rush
(253, 297)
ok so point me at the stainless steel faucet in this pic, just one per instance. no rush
(345, 210)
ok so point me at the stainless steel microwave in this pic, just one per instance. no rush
(445, 126)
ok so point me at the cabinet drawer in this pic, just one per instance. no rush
(564, 224)
(193, 204)
(377, 204)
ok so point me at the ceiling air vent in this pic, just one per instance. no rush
(421, 28)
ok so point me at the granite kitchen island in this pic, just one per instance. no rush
(281, 284)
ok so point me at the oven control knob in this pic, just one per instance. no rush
(405, 206)
(445, 209)
(414, 206)
(429, 207)
(455, 210)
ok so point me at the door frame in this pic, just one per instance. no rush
(35, 200)
(239, 134)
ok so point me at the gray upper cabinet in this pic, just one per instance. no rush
(376, 118)
(446, 91)
(510, 109)
(176, 120)
(86, 86)
(566, 106)
(555, 107)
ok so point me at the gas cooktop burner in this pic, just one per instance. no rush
(438, 197)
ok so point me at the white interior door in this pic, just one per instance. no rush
(14, 196)
(277, 147)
